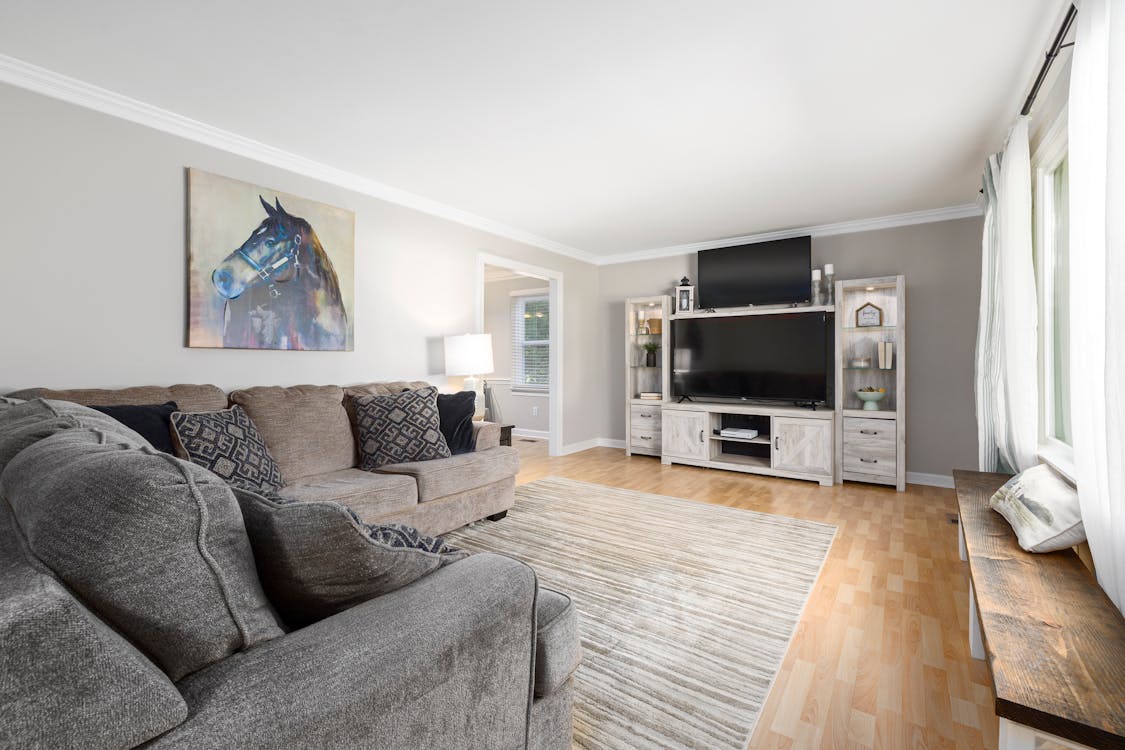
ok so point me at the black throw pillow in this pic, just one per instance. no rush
(152, 421)
(456, 411)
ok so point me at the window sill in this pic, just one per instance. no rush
(1059, 457)
(541, 392)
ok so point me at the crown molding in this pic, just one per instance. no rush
(25, 75)
(927, 216)
(40, 80)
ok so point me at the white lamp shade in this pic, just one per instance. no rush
(468, 354)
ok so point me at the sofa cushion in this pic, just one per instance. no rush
(399, 428)
(187, 397)
(68, 679)
(317, 559)
(151, 421)
(1042, 509)
(305, 427)
(153, 544)
(370, 495)
(28, 422)
(456, 412)
(448, 476)
(557, 647)
(388, 388)
(228, 443)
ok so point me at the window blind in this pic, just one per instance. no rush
(530, 328)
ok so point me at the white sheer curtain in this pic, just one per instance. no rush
(1006, 369)
(1097, 246)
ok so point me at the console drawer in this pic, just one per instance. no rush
(869, 432)
(647, 439)
(644, 418)
(876, 458)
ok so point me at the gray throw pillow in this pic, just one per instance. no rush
(1042, 509)
(27, 422)
(228, 444)
(153, 544)
(317, 558)
(399, 429)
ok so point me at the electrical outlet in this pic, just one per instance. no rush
(535, 411)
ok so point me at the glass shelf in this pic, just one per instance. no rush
(868, 328)
(646, 367)
(883, 369)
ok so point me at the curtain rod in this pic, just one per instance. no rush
(1052, 53)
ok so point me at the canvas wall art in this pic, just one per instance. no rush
(267, 270)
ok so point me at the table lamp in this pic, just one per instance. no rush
(470, 355)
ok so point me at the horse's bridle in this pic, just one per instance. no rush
(265, 272)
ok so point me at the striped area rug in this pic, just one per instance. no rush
(686, 608)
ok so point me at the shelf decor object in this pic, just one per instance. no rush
(685, 296)
(648, 371)
(871, 399)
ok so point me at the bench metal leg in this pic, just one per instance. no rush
(976, 643)
(961, 543)
(1014, 736)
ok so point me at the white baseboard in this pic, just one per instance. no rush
(533, 434)
(586, 445)
(932, 480)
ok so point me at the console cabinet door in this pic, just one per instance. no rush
(803, 445)
(685, 434)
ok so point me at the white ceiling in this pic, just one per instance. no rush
(610, 127)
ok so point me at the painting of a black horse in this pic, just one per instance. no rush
(280, 289)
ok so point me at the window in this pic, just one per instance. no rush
(531, 332)
(1052, 261)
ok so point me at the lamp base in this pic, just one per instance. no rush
(476, 384)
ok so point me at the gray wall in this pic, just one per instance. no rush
(524, 410)
(941, 262)
(92, 287)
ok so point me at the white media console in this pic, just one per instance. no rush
(792, 442)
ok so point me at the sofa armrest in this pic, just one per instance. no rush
(443, 662)
(66, 679)
(485, 435)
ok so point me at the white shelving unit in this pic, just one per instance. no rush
(871, 444)
(646, 322)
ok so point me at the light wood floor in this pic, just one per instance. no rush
(880, 658)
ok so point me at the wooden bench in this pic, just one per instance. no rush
(1054, 640)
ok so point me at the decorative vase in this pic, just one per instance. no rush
(650, 359)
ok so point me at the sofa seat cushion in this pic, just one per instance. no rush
(305, 427)
(371, 496)
(317, 559)
(155, 545)
(468, 471)
(187, 397)
(557, 648)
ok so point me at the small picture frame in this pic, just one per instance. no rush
(685, 299)
(868, 315)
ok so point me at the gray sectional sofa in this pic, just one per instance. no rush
(131, 614)
(308, 429)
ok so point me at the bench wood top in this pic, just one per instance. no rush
(1055, 641)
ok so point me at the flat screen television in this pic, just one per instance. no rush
(762, 273)
(782, 357)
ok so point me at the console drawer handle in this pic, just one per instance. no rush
(646, 437)
(646, 416)
(868, 432)
(869, 460)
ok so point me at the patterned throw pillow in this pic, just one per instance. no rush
(399, 429)
(228, 443)
(1042, 509)
(317, 558)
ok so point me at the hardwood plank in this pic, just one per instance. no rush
(1054, 640)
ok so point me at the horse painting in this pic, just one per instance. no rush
(278, 289)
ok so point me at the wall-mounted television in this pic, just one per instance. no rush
(762, 273)
(777, 357)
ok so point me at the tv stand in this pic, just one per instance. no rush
(792, 441)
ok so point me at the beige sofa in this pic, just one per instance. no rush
(310, 432)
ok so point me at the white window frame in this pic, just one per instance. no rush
(1048, 156)
(518, 386)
